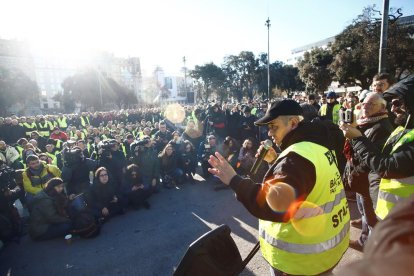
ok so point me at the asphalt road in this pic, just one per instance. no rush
(147, 242)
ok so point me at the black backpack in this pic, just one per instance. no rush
(84, 225)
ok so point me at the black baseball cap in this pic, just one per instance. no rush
(280, 108)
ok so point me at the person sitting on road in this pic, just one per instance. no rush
(48, 216)
(36, 175)
(133, 190)
(104, 198)
(188, 160)
(169, 167)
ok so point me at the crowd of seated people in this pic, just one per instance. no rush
(115, 161)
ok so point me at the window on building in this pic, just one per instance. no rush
(45, 106)
(55, 105)
(168, 83)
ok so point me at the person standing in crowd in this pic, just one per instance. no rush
(48, 216)
(330, 110)
(133, 188)
(375, 125)
(312, 101)
(162, 136)
(104, 197)
(145, 157)
(215, 123)
(247, 127)
(204, 151)
(192, 133)
(381, 82)
(302, 220)
(394, 162)
(233, 118)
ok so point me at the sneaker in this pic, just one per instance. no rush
(357, 223)
(354, 244)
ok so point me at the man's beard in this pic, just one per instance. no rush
(401, 120)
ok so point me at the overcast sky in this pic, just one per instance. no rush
(161, 32)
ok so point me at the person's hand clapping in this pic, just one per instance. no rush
(221, 168)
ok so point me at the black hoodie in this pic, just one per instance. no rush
(292, 169)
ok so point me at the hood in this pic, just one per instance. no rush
(405, 90)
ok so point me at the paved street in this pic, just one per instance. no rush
(146, 242)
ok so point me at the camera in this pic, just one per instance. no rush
(72, 157)
(346, 116)
(7, 176)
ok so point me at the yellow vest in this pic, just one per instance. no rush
(84, 121)
(335, 112)
(29, 128)
(62, 123)
(317, 234)
(393, 190)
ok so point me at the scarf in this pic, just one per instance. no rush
(373, 119)
(363, 121)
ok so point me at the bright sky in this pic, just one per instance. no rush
(161, 32)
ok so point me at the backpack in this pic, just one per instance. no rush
(84, 225)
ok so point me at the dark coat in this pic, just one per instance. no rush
(44, 212)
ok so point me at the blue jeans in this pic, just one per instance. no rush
(365, 207)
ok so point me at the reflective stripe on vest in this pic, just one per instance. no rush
(317, 235)
(84, 121)
(306, 248)
(391, 191)
(29, 128)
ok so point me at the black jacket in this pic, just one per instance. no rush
(286, 170)
(396, 165)
(356, 172)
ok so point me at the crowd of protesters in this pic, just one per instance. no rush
(101, 164)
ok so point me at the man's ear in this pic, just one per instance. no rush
(295, 122)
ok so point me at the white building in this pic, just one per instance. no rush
(170, 88)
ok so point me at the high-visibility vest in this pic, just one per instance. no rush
(53, 157)
(123, 149)
(29, 128)
(45, 128)
(84, 121)
(335, 112)
(317, 233)
(392, 190)
(62, 123)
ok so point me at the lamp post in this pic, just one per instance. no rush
(382, 66)
(268, 58)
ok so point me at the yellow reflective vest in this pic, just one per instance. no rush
(393, 190)
(62, 124)
(84, 121)
(335, 112)
(33, 184)
(317, 234)
(29, 128)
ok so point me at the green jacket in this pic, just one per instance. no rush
(43, 212)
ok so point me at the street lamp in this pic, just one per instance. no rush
(382, 66)
(268, 59)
